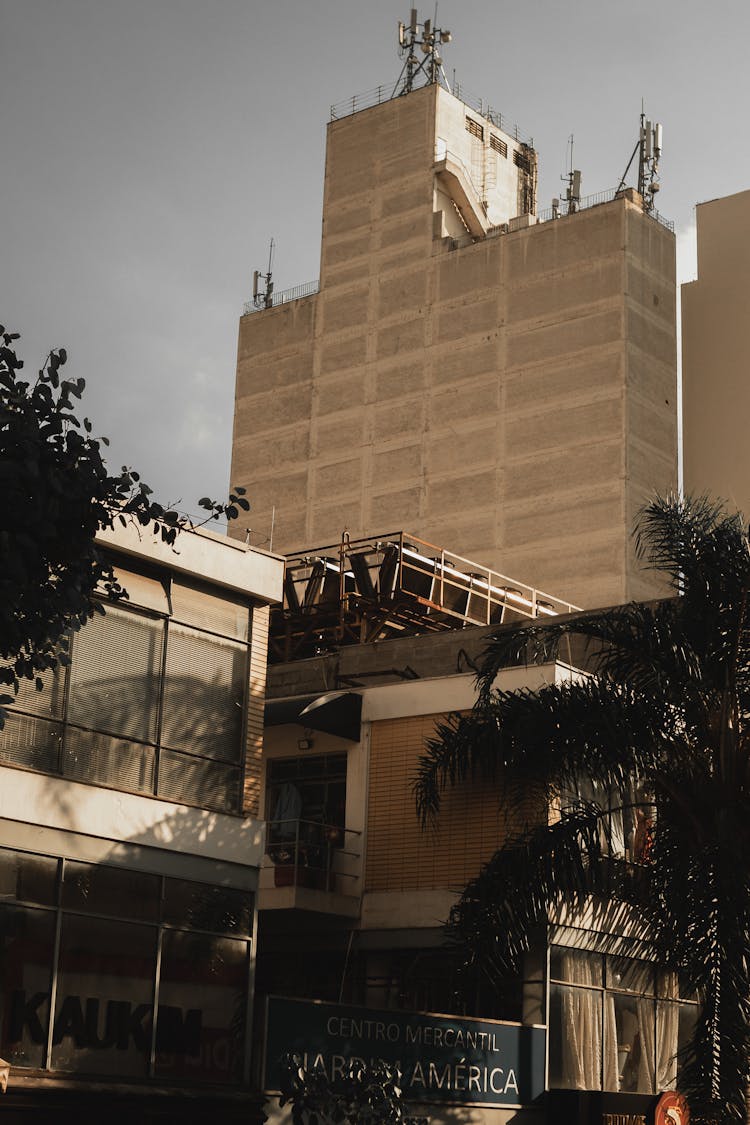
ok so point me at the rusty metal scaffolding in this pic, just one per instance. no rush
(364, 590)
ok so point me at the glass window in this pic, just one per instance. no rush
(202, 996)
(199, 781)
(204, 694)
(115, 674)
(202, 906)
(104, 759)
(32, 742)
(118, 891)
(27, 939)
(608, 1031)
(28, 878)
(575, 1038)
(49, 702)
(103, 1014)
(205, 608)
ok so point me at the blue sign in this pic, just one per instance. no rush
(441, 1058)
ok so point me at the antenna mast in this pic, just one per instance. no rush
(573, 192)
(427, 38)
(263, 295)
(648, 150)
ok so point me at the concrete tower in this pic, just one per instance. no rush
(497, 385)
(716, 389)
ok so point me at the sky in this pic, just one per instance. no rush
(152, 148)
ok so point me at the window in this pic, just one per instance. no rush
(614, 1023)
(150, 703)
(306, 809)
(124, 937)
(521, 160)
(474, 128)
(498, 145)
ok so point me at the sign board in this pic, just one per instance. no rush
(441, 1058)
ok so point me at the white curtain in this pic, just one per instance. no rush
(581, 1023)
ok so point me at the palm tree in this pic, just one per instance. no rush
(665, 717)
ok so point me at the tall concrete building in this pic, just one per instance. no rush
(493, 383)
(716, 390)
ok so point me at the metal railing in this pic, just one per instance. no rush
(379, 94)
(310, 853)
(594, 201)
(283, 296)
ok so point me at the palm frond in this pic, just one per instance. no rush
(546, 739)
(513, 894)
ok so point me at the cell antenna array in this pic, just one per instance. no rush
(648, 151)
(427, 38)
(263, 294)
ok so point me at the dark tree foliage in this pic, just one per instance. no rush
(368, 1094)
(666, 715)
(57, 493)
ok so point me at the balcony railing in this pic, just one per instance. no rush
(310, 853)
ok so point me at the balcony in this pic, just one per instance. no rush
(311, 866)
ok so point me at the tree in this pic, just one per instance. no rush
(57, 495)
(665, 716)
(368, 1094)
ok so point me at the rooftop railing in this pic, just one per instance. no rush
(282, 297)
(379, 94)
(594, 201)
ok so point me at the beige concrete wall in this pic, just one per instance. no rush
(512, 400)
(716, 390)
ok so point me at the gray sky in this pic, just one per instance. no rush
(151, 148)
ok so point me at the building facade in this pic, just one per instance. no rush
(715, 311)
(500, 383)
(130, 842)
(354, 893)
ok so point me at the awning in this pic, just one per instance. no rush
(336, 712)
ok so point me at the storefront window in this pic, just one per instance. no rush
(105, 988)
(607, 1029)
(27, 942)
(202, 998)
(124, 937)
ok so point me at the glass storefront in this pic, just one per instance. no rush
(146, 976)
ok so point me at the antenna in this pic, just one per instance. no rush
(573, 191)
(428, 38)
(263, 297)
(648, 150)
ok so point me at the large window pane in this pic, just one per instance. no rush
(629, 1043)
(575, 1038)
(104, 997)
(99, 889)
(115, 674)
(204, 694)
(26, 948)
(200, 1031)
